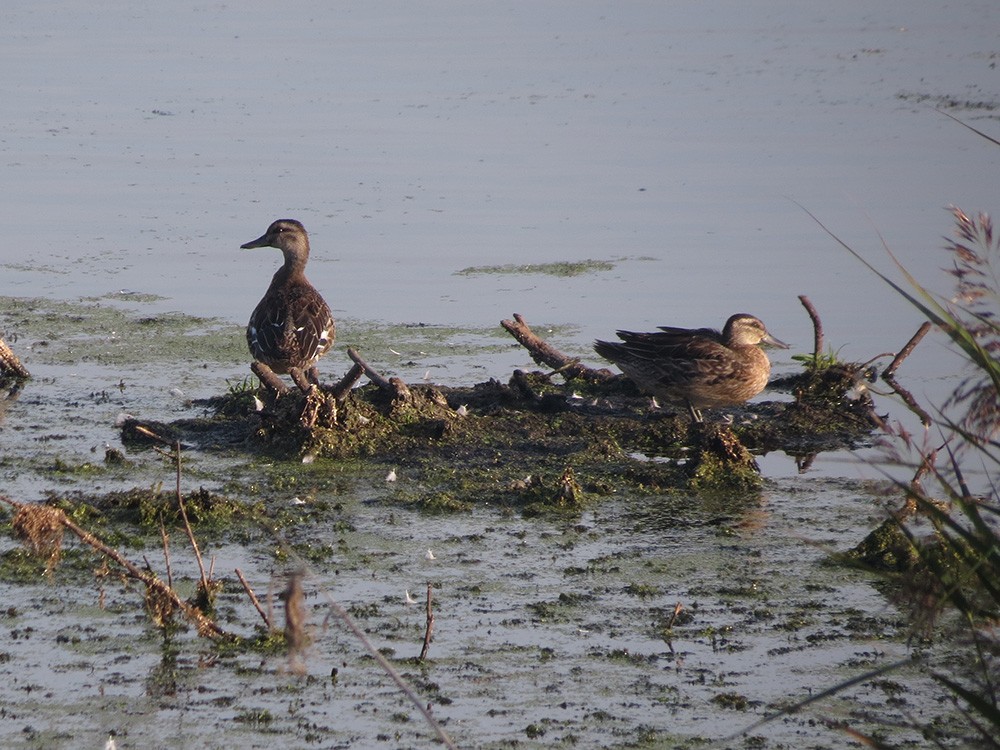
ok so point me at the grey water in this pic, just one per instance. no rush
(684, 142)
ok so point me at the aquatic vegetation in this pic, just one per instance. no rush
(957, 567)
(565, 268)
(554, 445)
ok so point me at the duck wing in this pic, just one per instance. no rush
(291, 329)
(677, 357)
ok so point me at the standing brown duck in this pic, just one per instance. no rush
(291, 327)
(696, 367)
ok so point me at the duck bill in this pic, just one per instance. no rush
(776, 343)
(261, 241)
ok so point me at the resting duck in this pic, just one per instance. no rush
(696, 367)
(291, 327)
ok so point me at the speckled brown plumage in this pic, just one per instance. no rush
(291, 327)
(696, 367)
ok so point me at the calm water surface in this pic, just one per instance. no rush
(142, 145)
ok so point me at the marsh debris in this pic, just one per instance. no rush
(547, 439)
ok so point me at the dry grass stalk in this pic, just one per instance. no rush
(254, 600)
(429, 630)
(344, 616)
(296, 633)
(678, 608)
(41, 527)
(166, 553)
(205, 585)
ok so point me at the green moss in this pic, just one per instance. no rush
(565, 268)
(146, 507)
(885, 548)
(733, 701)
(441, 502)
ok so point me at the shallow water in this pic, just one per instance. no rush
(142, 146)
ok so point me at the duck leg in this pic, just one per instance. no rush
(695, 413)
(266, 376)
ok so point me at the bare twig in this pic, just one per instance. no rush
(396, 677)
(166, 553)
(429, 631)
(889, 371)
(254, 600)
(817, 326)
(187, 524)
(266, 376)
(372, 373)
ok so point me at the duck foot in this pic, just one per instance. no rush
(266, 376)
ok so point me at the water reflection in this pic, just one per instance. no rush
(674, 515)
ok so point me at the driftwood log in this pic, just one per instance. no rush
(548, 356)
(395, 388)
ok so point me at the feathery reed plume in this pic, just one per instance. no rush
(976, 304)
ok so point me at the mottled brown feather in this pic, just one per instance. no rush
(696, 367)
(291, 327)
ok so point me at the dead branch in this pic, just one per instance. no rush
(373, 374)
(254, 600)
(429, 631)
(888, 375)
(394, 387)
(889, 371)
(817, 326)
(266, 376)
(205, 625)
(909, 400)
(10, 365)
(548, 356)
(341, 389)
